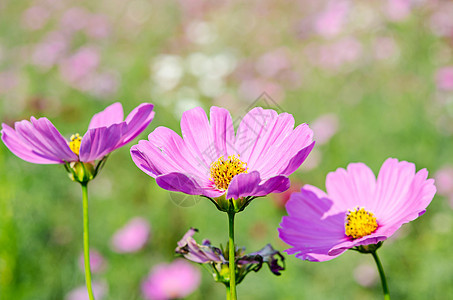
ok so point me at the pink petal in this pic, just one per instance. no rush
(112, 114)
(197, 135)
(307, 231)
(99, 142)
(222, 131)
(352, 187)
(178, 182)
(251, 132)
(249, 184)
(23, 149)
(137, 121)
(42, 142)
(393, 183)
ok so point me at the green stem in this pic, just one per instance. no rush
(382, 275)
(228, 293)
(232, 256)
(86, 241)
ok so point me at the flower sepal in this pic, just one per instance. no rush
(231, 205)
(368, 248)
(84, 172)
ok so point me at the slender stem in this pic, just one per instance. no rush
(86, 241)
(232, 256)
(228, 293)
(381, 273)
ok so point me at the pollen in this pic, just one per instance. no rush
(360, 223)
(75, 142)
(223, 170)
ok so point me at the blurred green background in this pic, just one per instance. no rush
(374, 79)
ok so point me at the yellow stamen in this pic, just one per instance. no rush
(359, 223)
(223, 171)
(75, 142)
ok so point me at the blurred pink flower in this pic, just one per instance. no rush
(47, 53)
(80, 293)
(8, 81)
(324, 128)
(444, 78)
(334, 56)
(98, 26)
(81, 64)
(97, 261)
(398, 10)
(330, 22)
(171, 281)
(251, 89)
(444, 181)
(103, 84)
(273, 62)
(441, 21)
(35, 17)
(74, 19)
(132, 237)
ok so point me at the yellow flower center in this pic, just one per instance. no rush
(75, 142)
(359, 223)
(223, 171)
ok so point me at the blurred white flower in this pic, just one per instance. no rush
(200, 32)
(167, 71)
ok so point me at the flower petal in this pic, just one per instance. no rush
(178, 182)
(175, 150)
(197, 135)
(393, 184)
(352, 187)
(419, 195)
(137, 121)
(249, 184)
(297, 160)
(41, 141)
(98, 142)
(222, 131)
(310, 234)
(112, 114)
(269, 143)
(254, 133)
(23, 149)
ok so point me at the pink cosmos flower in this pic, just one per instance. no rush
(444, 78)
(357, 209)
(80, 65)
(211, 160)
(330, 22)
(132, 237)
(38, 141)
(176, 280)
(398, 10)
